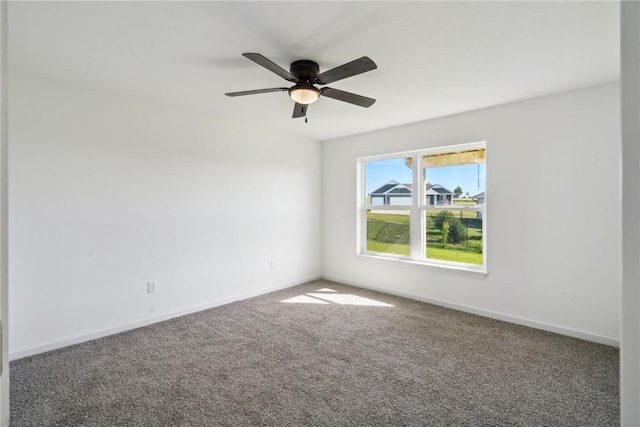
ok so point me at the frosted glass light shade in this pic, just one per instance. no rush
(304, 95)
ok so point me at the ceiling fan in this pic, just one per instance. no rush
(306, 74)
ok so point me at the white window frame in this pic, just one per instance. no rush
(417, 210)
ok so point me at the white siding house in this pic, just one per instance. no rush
(438, 195)
(394, 193)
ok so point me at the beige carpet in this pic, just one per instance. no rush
(332, 355)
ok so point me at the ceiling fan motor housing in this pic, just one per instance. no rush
(305, 70)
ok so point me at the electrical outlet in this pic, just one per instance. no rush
(152, 287)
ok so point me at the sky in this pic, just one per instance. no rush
(380, 172)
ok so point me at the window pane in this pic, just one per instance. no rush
(454, 176)
(388, 232)
(454, 236)
(389, 182)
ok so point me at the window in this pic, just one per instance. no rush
(443, 224)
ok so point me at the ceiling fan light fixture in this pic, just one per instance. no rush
(304, 94)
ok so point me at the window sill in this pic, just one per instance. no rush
(441, 268)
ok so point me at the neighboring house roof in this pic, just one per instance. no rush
(479, 195)
(401, 190)
(384, 188)
(392, 187)
(437, 189)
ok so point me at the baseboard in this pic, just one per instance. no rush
(491, 314)
(129, 326)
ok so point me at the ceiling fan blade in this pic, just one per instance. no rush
(257, 91)
(351, 98)
(270, 65)
(299, 110)
(350, 69)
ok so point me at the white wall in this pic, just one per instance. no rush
(630, 89)
(554, 242)
(107, 193)
(4, 218)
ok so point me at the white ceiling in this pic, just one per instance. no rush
(434, 58)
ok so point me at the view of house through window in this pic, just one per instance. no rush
(441, 224)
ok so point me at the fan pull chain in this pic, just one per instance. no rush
(305, 120)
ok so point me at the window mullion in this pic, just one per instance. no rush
(417, 227)
(362, 207)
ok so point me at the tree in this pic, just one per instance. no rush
(445, 232)
(440, 218)
(456, 232)
(458, 191)
(467, 194)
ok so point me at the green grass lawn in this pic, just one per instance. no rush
(400, 219)
(469, 202)
(389, 234)
(432, 253)
(388, 248)
(454, 255)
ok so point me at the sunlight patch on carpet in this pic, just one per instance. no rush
(350, 299)
(329, 296)
(303, 299)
